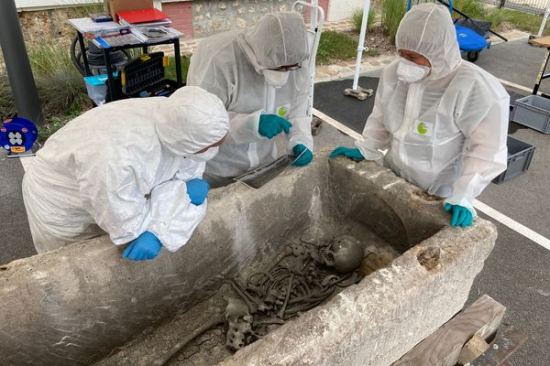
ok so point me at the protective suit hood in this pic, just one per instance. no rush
(277, 40)
(192, 119)
(428, 30)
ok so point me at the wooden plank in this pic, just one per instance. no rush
(506, 342)
(472, 349)
(443, 347)
(541, 42)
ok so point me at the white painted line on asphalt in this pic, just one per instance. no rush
(516, 86)
(512, 224)
(487, 210)
(339, 126)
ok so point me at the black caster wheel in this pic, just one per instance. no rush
(472, 56)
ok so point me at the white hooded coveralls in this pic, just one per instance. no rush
(446, 133)
(231, 66)
(122, 169)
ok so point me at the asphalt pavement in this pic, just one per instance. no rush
(15, 235)
(515, 61)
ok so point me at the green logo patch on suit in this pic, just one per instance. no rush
(282, 111)
(423, 128)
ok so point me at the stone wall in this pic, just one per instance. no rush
(47, 25)
(196, 19)
(214, 16)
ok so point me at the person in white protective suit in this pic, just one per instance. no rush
(263, 78)
(444, 121)
(131, 169)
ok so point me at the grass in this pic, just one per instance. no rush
(523, 21)
(60, 86)
(84, 10)
(335, 46)
(472, 8)
(392, 11)
(501, 18)
(357, 18)
(170, 70)
(51, 126)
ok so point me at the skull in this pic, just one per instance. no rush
(239, 333)
(344, 254)
(239, 324)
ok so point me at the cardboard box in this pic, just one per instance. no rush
(118, 5)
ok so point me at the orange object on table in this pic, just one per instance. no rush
(116, 6)
(142, 15)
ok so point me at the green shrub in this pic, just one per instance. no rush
(358, 19)
(334, 46)
(391, 14)
(7, 104)
(524, 21)
(51, 126)
(496, 18)
(60, 86)
(472, 8)
(170, 71)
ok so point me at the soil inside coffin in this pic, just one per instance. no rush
(210, 347)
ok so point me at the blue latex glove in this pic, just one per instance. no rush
(306, 157)
(146, 247)
(352, 153)
(197, 190)
(461, 215)
(271, 125)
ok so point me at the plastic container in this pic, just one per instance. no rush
(97, 88)
(533, 111)
(144, 77)
(482, 27)
(520, 155)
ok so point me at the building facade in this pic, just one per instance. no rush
(200, 18)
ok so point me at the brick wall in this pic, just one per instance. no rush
(181, 14)
(324, 4)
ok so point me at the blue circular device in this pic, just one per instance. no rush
(17, 135)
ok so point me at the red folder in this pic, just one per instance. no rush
(142, 16)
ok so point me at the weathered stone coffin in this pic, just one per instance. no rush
(74, 305)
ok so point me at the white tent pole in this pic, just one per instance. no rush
(317, 19)
(544, 20)
(361, 45)
(313, 17)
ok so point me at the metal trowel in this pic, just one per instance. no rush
(256, 178)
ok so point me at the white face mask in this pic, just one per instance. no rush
(409, 72)
(205, 156)
(276, 79)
